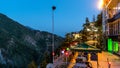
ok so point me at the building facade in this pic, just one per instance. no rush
(111, 25)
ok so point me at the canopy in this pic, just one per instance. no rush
(85, 48)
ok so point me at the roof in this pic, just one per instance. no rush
(86, 48)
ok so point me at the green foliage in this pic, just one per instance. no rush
(98, 25)
(32, 65)
(99, 20)
(94, 18)
(87, 20)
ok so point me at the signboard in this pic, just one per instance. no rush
(110, 48)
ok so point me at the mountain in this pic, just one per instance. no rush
(20, 45)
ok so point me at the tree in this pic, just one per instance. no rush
(68, 37)
(87, 23)
(98, 24)
(32, 65)
(99, 20)
(87, 20)
(93, 18)
(47, 59)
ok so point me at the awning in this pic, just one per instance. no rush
(85, 48)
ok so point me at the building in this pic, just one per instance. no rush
(111, 25)
(92, 32)
(76, 36)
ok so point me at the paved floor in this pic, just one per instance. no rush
(72, 62)
(104, 58)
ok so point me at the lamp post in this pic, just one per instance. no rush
(53, 8)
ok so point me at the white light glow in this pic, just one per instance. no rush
(116, 8)
(88, 30)
(62, 52)
(100, 5)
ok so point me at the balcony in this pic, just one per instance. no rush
(115, 17)
(110, 20)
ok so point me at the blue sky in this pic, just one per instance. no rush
(69, 14)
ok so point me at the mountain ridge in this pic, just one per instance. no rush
(20, 45)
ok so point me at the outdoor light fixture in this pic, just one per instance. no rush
(100, 5)
(66, 54)
(62, 52)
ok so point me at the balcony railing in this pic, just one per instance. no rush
(115, 17)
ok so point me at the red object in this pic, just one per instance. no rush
(66, 53)
(53, 53)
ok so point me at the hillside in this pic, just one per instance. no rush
(20, 45)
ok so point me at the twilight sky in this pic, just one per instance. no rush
(69, 14)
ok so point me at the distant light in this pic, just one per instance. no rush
(100, 5)
(66, 53)
(88, 29)
(62, 52)
(96, 30)
(117, 8)
(53, 53)
(67, 49)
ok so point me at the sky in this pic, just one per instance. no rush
(69, 15)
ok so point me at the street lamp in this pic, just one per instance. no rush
(66, 54)
(53, 8)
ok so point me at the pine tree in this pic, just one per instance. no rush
(87, 20)
(93, 18)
